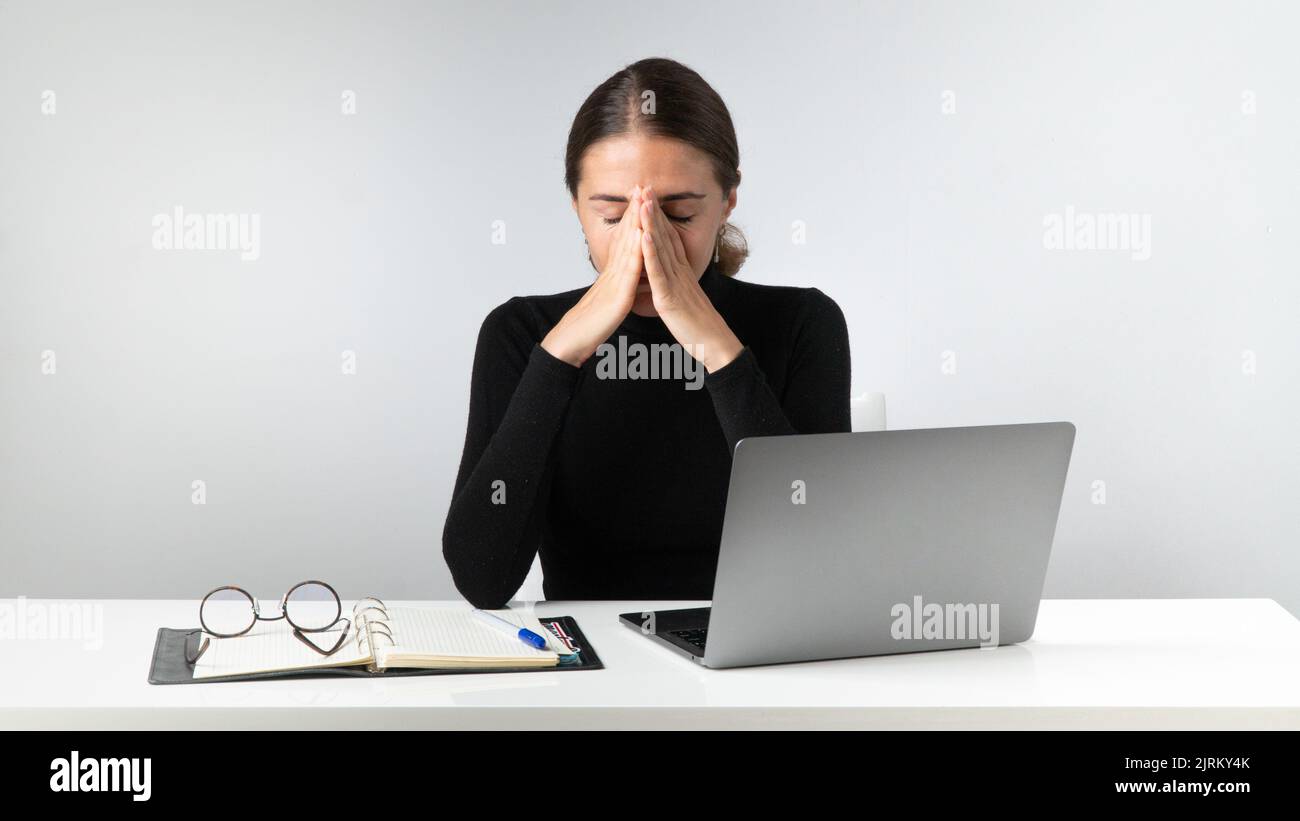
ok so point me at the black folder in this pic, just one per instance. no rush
(170, 667)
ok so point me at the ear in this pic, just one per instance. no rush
(731, 199)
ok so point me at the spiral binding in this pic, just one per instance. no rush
(370, 621)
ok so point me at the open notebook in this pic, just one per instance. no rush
(421, 637)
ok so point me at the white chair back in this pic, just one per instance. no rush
(868, 411)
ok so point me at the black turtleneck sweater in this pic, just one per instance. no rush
(621, 483)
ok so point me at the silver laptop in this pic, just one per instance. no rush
(857, 544)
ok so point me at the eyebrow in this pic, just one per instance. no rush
(682, 195)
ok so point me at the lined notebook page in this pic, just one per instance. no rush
(453, 634)
(273, 647)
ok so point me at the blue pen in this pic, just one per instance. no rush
(522, 633)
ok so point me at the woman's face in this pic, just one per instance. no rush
(683, 183)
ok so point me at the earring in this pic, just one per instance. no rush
(717, 244)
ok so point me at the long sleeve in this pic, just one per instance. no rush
(815, 398)
(519, 394)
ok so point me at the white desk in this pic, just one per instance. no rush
(1123, 664)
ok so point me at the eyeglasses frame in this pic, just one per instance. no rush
(298, 632)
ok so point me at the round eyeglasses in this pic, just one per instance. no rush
(308, 607)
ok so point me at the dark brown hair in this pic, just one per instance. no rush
(681, 105)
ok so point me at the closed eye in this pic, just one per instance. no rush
(616, 220)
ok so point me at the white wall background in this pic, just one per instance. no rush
(922, 145)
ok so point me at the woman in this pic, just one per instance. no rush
(615, 471)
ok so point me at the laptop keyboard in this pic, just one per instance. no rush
(695, 636)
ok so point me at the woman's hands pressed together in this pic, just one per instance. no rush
(678, 298)
(646, 241)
